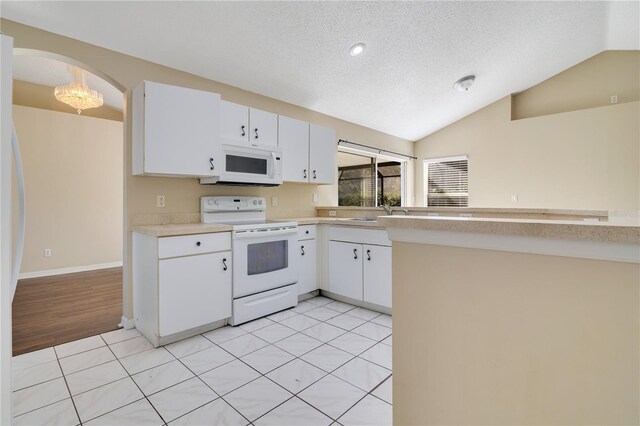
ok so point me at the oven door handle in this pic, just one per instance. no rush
(241, 235)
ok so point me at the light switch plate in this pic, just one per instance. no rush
(332, 212)
(160, 201)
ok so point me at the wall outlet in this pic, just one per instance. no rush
(47, 252)
(332, 212)
(614, 99)
(514, 198)
(315, 197)
(160, 201)
(274, 201)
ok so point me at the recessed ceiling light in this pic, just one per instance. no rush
(464, 83)
(357, 49)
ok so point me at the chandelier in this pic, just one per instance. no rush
(77, 93)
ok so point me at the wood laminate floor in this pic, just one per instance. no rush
(48, 311)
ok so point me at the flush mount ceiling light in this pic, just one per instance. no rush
(464, 83)
(357, 49)
(77, 93)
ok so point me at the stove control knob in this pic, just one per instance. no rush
(216, 202)
(255, 202)
(210, 202)
(260, 202)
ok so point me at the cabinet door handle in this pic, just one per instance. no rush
(198, 243)
(302, 250)
(243, 132)
(314, 175)
(211, 162)
(256, 132)
(368, 254)
(355, 253)
(224, 262)
(305, 173)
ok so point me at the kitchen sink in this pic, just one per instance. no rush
(360, 219)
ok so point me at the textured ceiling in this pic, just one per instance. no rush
(49, 72)
(298, 51)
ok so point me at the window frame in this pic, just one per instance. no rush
(425, 174)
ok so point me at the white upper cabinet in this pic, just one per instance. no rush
(264, 127)
(293, 138)
(308, 150)
(322, 154)
(175, 130)
(234, 122)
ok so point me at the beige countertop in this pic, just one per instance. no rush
(206, 228)
(591, 230)
(553, 229)
(333, 221)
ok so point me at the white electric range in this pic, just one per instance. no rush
(264, 265)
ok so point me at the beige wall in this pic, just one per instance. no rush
(73, 179)
(182, 194)
(587, 158)
(589, 84)
(513, 338)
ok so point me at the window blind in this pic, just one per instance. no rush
(447, 182)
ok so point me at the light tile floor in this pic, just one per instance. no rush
(320, 363)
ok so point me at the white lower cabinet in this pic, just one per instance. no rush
(307, 279)
(307, 259)
(181, 284)
(345, 269)
(357, 269)
(194, 290)
(377, 275)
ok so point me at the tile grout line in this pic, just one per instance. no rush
(203, 382)
(135, 383)
(64, 377)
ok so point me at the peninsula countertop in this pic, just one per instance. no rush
(584, 230)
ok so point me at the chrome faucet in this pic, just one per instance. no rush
(387, 209)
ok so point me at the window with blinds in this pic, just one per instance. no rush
(446, 182)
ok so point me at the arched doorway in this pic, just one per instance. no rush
(74, 173)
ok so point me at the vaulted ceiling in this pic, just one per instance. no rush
(298, 52)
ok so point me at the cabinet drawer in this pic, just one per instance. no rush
(306, 232)
(185, 245)
(357, 235)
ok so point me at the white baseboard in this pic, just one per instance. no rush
(72, 270)
(127, 323)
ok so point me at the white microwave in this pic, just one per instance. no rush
(244, 165)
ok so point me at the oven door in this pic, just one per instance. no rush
(263, 260)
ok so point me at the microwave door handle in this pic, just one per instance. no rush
(264, 234)
(273, 164)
